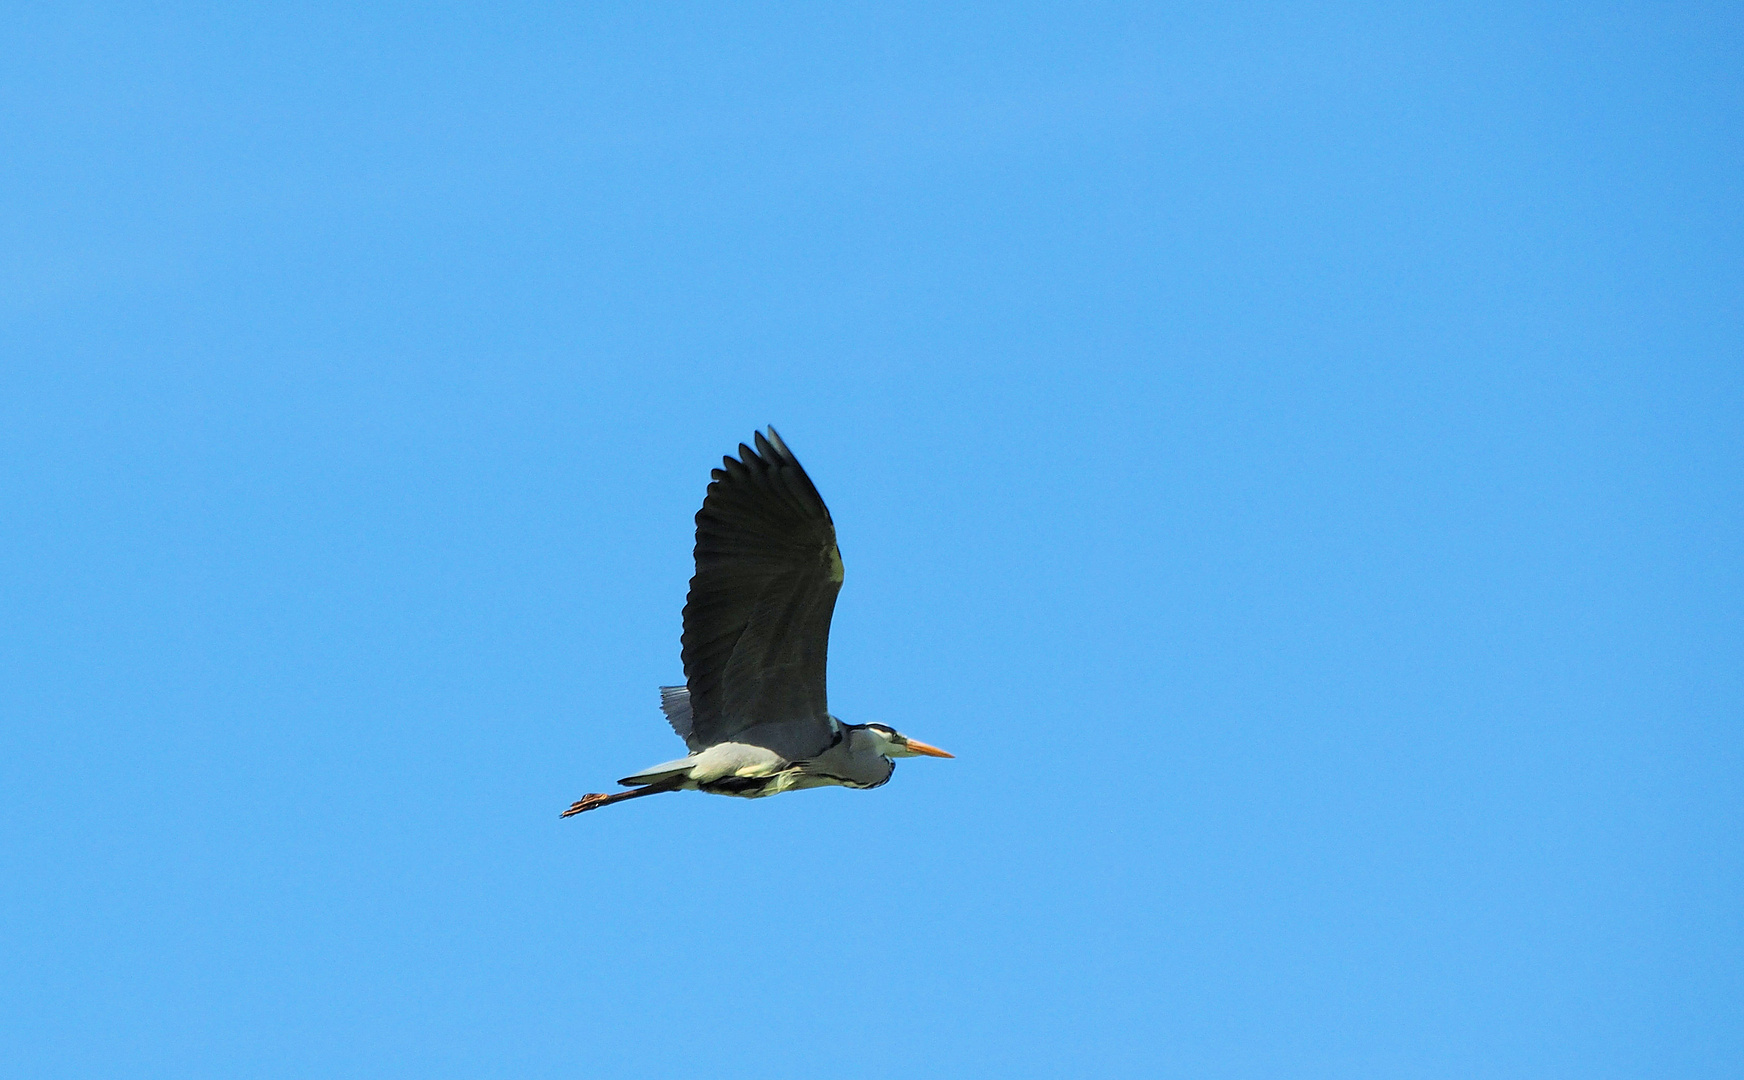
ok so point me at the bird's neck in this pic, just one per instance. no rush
(858, 759)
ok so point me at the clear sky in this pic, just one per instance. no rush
(1291, 454)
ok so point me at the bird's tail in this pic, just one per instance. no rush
(664, 771)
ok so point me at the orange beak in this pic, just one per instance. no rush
(930, 751)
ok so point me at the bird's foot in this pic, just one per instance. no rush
(586, 802)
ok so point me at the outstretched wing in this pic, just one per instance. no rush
(757, 622)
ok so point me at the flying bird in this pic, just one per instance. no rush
(756, 633)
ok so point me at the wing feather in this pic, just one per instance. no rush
(757, 621)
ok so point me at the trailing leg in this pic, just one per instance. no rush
(599, 799)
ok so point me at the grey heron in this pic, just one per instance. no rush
(753, 711)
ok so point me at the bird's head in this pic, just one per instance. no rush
(894, 744)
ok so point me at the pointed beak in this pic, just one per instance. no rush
(930, 751)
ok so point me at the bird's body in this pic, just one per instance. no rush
(753, 710)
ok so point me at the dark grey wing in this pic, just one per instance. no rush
(757, 623)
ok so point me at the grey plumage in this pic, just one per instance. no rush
(754, 712)
(675, 703)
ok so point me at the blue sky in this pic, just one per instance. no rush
(1290, 454)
